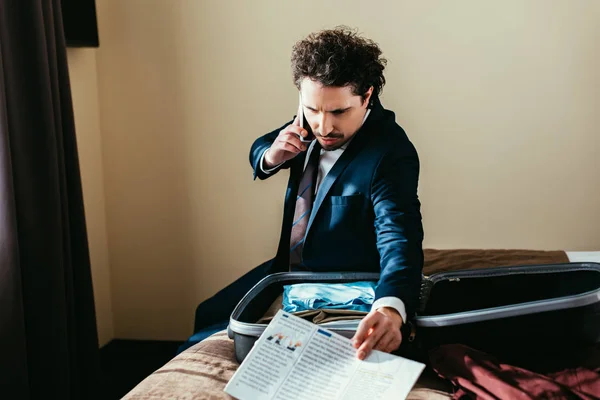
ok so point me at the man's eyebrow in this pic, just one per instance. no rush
(337, 110)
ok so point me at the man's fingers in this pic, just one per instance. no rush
(385, 342)
(389, 342)
(294, 141)
(286, 146)
(296, 130)
(363, 328)
(394, 344)
(369, 342)
(290, 147)
(376, 331)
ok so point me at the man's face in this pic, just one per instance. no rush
(334, 113)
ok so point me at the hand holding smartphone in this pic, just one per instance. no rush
(289, 142)
(303, 123)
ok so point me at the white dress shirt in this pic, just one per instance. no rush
(326, 161)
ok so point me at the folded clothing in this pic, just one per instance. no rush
(321, 316)
(356, 296)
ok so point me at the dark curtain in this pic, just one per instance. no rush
(48, 339)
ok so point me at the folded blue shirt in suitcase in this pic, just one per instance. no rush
(356, 296)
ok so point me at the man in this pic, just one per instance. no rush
(351, 202)
(365, 213)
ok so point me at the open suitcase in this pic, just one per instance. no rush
(492, 309)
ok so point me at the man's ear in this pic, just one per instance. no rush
(367, 97)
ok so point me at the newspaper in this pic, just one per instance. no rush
(295, 359)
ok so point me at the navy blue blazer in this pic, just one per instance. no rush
(366, 215)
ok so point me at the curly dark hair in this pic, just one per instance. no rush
(339, 57)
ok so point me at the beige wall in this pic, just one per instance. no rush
(501, 99)
(83, 74)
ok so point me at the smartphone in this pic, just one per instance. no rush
(304, 123)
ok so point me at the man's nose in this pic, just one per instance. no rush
(325, 124)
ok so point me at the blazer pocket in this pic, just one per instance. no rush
(347, 200)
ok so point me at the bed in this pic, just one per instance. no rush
(203, 370)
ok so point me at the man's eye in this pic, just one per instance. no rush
(338, 112)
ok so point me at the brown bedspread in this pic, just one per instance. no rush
(452, 260)
(202, 371)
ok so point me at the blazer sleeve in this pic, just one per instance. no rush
(259, 146)
(398, 226)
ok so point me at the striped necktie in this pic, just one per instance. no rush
(304, 202)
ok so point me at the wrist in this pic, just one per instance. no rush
(267, 162)
(392, 313)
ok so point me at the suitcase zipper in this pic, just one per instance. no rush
(516, 270)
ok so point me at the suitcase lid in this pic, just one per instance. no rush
(531, 307)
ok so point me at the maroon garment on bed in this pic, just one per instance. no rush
(481, 376)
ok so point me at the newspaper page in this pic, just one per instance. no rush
(295, 359)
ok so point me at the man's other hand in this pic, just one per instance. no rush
(379, 330)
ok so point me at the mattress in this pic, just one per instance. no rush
(583, 256)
